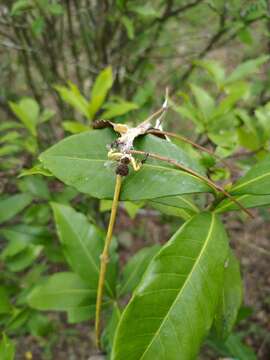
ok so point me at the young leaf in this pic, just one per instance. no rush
(178, 295)
(204, 101)
(135, 268)
(81, 161)
(256, 181)
(73, 97)
(61, 291)
(27, 110)
(247, 68)
(214, 69)
(230, 300)
(100, 90)
(7, 348)
(12, 205)
(117, 109)
(82, 245)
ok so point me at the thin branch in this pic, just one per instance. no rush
(209, 182)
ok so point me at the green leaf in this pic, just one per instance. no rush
(79, 314)
(204, 101)
(179, 206)
(247, 200)
(23, 259)
(5, 305)
(247, 68)
(135, 268)
(214, 69)
(36, 186)
(82, 245)
(100, 90)
(256, 181)
(19, 6)
(117, 109)
(27, 110)
(128, 24)
(81, 161)
(74, 127)
(230, 300)
(35, 170)
(109, 332)
(61, 291)
(174, 305)
(73, 97)
(7, 348)
(11, 206)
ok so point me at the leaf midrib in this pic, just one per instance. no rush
(183, 287)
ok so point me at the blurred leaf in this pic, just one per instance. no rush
(82, 245)
(5, 304)
(39, 325)
(110, 329)
(214, 69)
(46, 115)
(61, 291)
(36, 170)
(145, 11)
(23, 259)
(7, 348)
(79, 314)
(73, 97)
(36, 186)
(177, 295)
(230, 299)
(132, 208)
(18, 319)
(135, 268)
(128, 24)
(27, 110)
(19, 6)
(38, 26)
(74, 127)
(204, 101)
(246, 68)
(100, 90)
(11, 206)
(117, 109)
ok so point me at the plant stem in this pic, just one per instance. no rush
(104, 259)
(186, 140)
(214, 186)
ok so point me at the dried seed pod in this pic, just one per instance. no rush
(125, 160)
(101, 124)
(122, 169)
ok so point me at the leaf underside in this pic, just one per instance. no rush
(173, 307)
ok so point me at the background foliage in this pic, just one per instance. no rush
(64, 64)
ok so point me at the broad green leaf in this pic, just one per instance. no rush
(135, 268)
(61, 291)
(256, 181)
(117, 109)
(73, 97)
(7, 348)
(11, 206)
(204, 101)
(27, 110)
(109, 331)
(174, 305)
(100, 90)
(81, 161)
(247, 200)
(230, 299)
(82, 245)
(214, 69)
(246, 68)
(74, 127)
